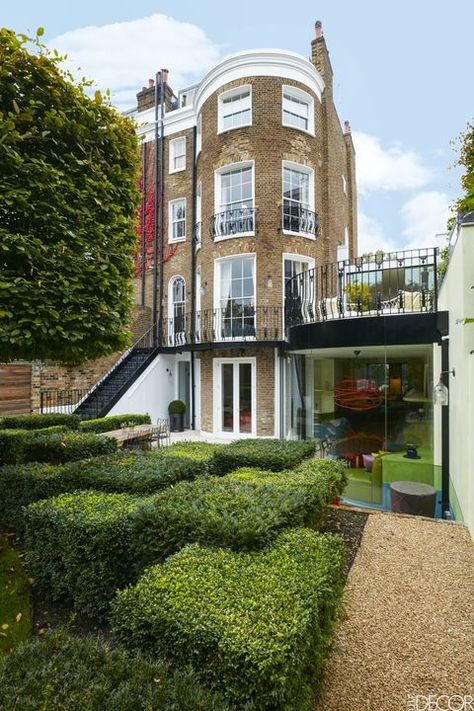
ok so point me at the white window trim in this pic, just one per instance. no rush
(198, 134)
(217, 286)
(217, 404)
(310, 261)
(171, 331)
(218, 194)
(171, 240)
(303, 96)
(344, 184)
(303, 169)
(171, 156)
(220, 108)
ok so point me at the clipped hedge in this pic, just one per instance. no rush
(82, 546)
(272, 454)
(62, 672)
(38, 422)
(256, 625)
(125, 471)
(196, 451)
(113, 422)
(21, 446)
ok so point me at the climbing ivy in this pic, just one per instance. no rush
(68, 205)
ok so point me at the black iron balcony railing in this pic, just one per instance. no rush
(263, 323)
(295, 218)
(377, 284)
(235, 221)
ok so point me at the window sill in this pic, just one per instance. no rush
(234, 128)
(176, 241)
(223, 238)
(177, 170)
(303, 130)
(306, 235)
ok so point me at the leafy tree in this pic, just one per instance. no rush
(68, 205)
(466, 161)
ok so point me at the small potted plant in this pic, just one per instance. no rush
(176, 410)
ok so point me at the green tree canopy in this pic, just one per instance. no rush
(68, 201)
(466, 161)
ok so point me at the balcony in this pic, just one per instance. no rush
(233, 222)
(299, 220)
(378, 284)
(251, 325)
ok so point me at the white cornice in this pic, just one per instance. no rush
(250, 63)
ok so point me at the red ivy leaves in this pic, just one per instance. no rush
(169, 250)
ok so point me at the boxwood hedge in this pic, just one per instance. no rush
(272, 454)
(125, 471)
(255, 625)
(37, 422)
(51, 445)
(82, 546)
(197, 451)
(66, 673)
(113, 422)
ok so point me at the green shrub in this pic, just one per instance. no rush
(125, 471)
(80, 546)
(113, 422)
(197, 451)
(176, 407)
(272, 454)
(255, 625)
(20, 446)
(66, 673)
(38, 422)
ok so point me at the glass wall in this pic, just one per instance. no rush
(370, 408)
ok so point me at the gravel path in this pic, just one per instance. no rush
(408, 626)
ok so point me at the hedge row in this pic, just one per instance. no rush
(62, 672)
(113, 422)
(125, 471)
(83, 546)
(38, 422)
(51, 445)
(272, 454)
(196, 451)
(255, 625)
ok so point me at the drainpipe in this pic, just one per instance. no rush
(445, 506)
(156, 206)
(164, 80)
(193, 281)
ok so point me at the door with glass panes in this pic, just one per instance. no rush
(235, 396)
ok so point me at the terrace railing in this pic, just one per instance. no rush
(377, 284)
(237, 220)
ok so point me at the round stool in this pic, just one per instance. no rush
(410, 497)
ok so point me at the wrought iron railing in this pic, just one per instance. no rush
(263, 323)
(295, 218)
(238, 220)
(61, 400)
(376, 284)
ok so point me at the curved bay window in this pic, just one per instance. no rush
(177, 311)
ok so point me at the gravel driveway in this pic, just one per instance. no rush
(408, 627)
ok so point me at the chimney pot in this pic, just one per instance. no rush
(165, 76)
(347, 127)
(151, 82)
(319, 29)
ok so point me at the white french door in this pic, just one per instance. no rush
(235, 396)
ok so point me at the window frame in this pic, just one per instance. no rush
(172, 156)
(299, 167)
(293, 257)
(217, 295)
(176, 337)
(171, 222)
(303, 96)
(220, 107)
(218, 207)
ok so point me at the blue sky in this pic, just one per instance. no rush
(403, 77)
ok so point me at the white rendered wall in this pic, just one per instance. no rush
(457, 297)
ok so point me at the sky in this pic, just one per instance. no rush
(402, 77)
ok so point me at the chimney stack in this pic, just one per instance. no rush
(347, 128)
(320, 56)
(146, 97)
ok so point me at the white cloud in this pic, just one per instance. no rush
(371, 235)
(391, 168)
(123, 55)
(424, 216)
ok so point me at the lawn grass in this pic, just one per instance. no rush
(15, 598)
